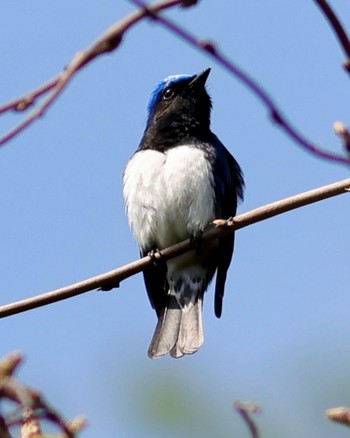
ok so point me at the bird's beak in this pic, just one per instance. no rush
(200, 79)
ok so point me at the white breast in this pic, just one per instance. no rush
(168, 196)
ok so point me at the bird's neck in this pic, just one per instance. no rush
(162, 136)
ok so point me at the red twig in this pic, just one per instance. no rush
(30, 405)
(23, 102)
(339, 415)
(341, 129)
(338, 30)
(246, 409)
(108, 42)
(276, 114)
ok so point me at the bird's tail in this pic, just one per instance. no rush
(179, 330)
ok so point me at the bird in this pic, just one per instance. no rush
(180, 179)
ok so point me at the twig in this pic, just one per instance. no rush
(113, 278)
(24, 102)
(246, 409)
(341, 129)
(276, 114)
(9, 364)
(31, 407)
(339, 415)
(108, 42)
(338, 30)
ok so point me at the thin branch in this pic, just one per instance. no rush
(113, 278)
(342, 130)
(108, 42)
(246, 409)
(338, 30)
(111, 39)
(339, 415)
(31, 408)
(275, 112)
(9, 364)
(24, 102)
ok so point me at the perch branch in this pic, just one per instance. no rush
(113, 278)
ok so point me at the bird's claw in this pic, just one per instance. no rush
(155, 256)
(223, 222)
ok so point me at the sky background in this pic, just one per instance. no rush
(283, 339)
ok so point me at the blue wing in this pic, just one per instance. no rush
(229, 185)
(155, 282)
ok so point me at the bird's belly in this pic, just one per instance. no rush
(169, 196)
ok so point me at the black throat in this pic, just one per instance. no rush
(165, 133)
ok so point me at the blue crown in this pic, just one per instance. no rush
(157, 93)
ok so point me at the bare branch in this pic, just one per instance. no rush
(246, 409)
(31, 407)
(339, 415)
(338, 30)
(276, 114)
(108, 42)
(9, 364)
(31, 427)
(113, 278)
(111, 39)
(24, 102)
(341, 129)
(4, 431)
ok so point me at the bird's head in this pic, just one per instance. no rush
(180, 105)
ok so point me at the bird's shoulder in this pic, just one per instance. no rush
(227, 168)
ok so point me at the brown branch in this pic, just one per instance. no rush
(111, 39)
(31, 407)
(24, 102)
(108, 42)
(4, 431)
(113, 278)
(276, 114)
(246, 409)
(339, 415)
(338, 30)
(342, 130)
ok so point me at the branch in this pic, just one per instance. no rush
(339, 415)
(111, 39)
(113, 278)
(108, 42)
(246, 409)
(343, 132)
(276, 114)
(31, 408)
(338, 30)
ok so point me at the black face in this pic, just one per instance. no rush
(180, 108)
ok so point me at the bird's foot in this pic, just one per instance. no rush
(155, 256)
(224, 222)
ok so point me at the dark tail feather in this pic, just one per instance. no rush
(178, 332)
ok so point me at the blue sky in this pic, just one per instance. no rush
(282, 339)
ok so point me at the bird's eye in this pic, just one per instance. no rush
(168, 93)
